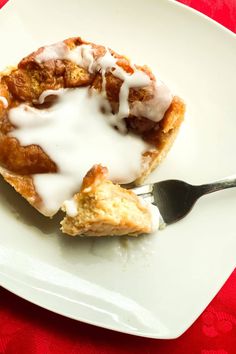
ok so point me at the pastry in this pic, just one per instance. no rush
(102, 208)
(74, 104)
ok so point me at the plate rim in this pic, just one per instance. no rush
(31, 298)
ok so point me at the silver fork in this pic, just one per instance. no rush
(175, 198)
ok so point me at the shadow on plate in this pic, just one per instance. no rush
(23, 211)
(71, 247)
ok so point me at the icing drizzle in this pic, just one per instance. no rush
(4, 102)
(74, 131)
(75, 134)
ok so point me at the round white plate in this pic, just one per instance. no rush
(153, 286)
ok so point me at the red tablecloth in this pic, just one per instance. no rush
(28, 329)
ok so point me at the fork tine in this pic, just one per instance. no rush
(148, 198)
(148, 188)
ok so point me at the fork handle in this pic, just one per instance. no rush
(228, 182)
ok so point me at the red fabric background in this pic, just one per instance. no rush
(28, 329)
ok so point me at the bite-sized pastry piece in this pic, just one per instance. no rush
(102, 208)
(74, 104)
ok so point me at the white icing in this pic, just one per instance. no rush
(53, 52)
(47, 93)
(81, 55)
(107, 61)
(155, 108)
(4, 101)
(74, 131)
(75, 134)
(154, 212)
(104, 63)
(70, 207)
(137, 79)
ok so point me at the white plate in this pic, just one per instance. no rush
(153, 286)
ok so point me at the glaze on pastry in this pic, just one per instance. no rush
(74, 104)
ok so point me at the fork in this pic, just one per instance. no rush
(175, 198)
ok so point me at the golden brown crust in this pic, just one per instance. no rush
(106, 209)
(24, 160)
(96, 175)
(25, 84)
(23, 185)
(162, 142)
